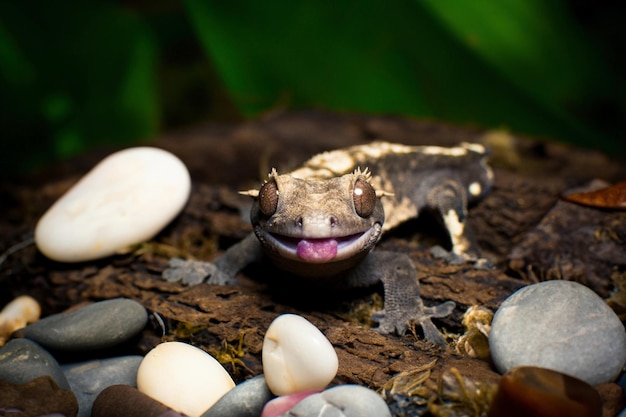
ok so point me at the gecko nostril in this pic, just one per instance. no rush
(333, 221)
(299, 221)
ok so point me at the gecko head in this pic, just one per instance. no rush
(307, 221)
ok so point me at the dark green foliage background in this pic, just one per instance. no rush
(76, 74)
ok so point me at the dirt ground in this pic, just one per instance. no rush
(523, 226)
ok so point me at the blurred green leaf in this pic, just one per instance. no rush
(536, 44)
(519, 64)
(74, 74)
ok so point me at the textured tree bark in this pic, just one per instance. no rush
(522, 226)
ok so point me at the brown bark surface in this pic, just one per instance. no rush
(522, 225)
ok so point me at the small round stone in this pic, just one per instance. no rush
(183, 377)
(344, 401)
(22, 360)
(559, 325)
(124, 200)
(96, 326)
(245, 400)
(127, 401)
(17, 314)
(88, 379)
(280, 405)
(540, 392)
(39, 397)
(297, 356)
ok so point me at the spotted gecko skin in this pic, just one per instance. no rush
(444, 179)
(320, 223)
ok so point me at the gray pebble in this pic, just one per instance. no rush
(341, 401)
(245, 400)
(22, 360)
(96, 326)
(88, 379)
(560, 325)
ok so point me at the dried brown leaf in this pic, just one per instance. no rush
(612, 197)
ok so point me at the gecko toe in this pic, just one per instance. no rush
(440, 310)
(453, 258)
(188, 272)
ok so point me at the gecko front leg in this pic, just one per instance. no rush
(222, 271)
(403, 302)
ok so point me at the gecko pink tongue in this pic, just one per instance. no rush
(317, 250)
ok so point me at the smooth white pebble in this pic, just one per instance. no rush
(183, 377)
(124, 200)
(297, 356)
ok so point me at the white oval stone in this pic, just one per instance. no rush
(297, 356)
(124, 200)
(183, 377)
(17, 314)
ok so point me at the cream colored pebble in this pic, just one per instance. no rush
(297, 356)
(17, 314)
(183, 377)
(124, 200)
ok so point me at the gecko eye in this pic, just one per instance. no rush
(268, 198)
(364, 197)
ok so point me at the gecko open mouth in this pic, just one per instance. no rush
(320, 250)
